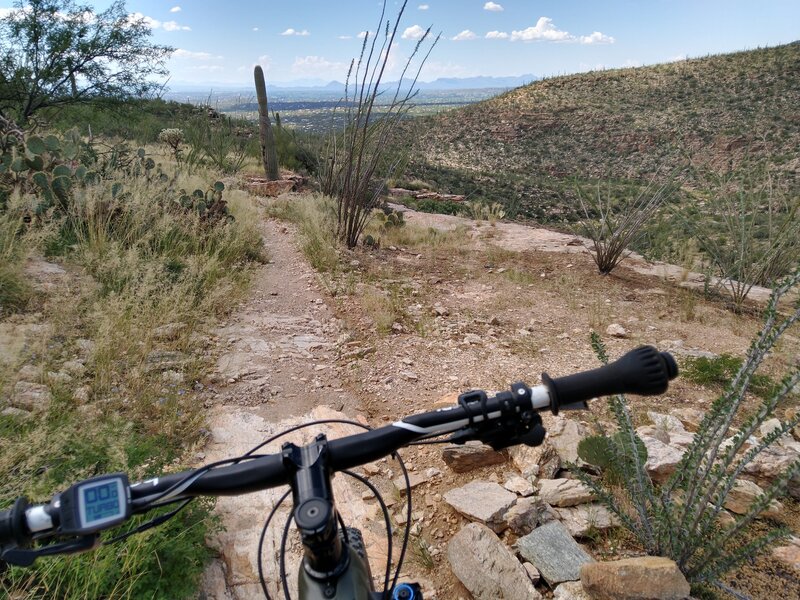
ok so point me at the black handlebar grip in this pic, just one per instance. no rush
(643, 370)
(12, 524)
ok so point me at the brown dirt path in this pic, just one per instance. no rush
(275, 369)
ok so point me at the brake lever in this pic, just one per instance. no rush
(25, 557)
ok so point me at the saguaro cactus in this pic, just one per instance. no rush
(269, 154)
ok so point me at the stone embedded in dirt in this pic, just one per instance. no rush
(487, 568)
(410, 375)
(583, 519)
(519, 485)
(440, 311)
(533, 572)
(564, 492)
(788, 554)
(565, 435)
(770, 464)
(616, 330)
(525, 515)
(472, 455)
(482, 501)
(13, 411)
(163, 360)
(677, 347)
(168, 332)
(641, 578)
(662, 459)
(82, 394)
(74, 367)
(790, 414)
(571, 590)
(690, 418)
(30, 396)
(542, 461)
(662, 435)
(742, 496)
(472, 339)
(43, 275)
(551, 549)
(668, 423)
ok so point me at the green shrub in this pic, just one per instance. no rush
(721, 370)
(680, 519)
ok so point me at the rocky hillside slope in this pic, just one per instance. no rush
(525, 147)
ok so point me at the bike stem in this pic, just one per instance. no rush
(325, 556)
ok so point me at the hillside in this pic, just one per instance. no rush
(523, 148)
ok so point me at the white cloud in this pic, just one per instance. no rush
(434, 69)
(543, 30)
(465, 36)
(597, 38)
(678, 58)
(175, 9)
(173, 26)
(345, 37)
(255, 28)
(493, 7)
(362, 34)
(317, 66)
(191, 55)
(423, 7)
(291, 31)
(497, 35)
(265, 61)
(415, 32)
(4, 12)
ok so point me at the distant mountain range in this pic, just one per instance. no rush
(443, 83)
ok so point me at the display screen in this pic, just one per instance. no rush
(101, 501)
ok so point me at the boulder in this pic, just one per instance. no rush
(564, 435)
(618, 331)
(472, 455)
(570, 590)
(661, 458)
(641, 578)
(542, 461)
(487, 568)
(581, 520)
(564, 492)
(742, 496)
(551, 549)
(668, 422)
(771, 463)
(690, 418)
(482, 501)
(519, 485)
(525, 515)
(30, 396)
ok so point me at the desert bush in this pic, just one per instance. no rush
(173, 139)
(614, 225)
(748, 227)
(680, 519)
(356, 161)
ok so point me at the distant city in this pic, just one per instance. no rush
(309, 105)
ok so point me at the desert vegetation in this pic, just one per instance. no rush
(124, 243)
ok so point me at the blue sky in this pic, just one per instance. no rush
(219, 42)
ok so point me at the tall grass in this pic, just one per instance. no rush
(135, 264)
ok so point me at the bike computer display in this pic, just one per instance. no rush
(95, 504)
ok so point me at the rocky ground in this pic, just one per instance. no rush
(479, 310)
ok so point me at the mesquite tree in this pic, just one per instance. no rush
(55, 53)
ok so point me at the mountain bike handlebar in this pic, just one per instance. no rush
(503, 420)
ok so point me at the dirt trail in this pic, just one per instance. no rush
(276, 370)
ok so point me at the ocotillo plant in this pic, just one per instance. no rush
(269, 153)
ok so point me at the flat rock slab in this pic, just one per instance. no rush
(471, 456)
(640, 578)
(482, 501)
(551, 549)
(487, 568)
(564, 492)
(580, 520)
